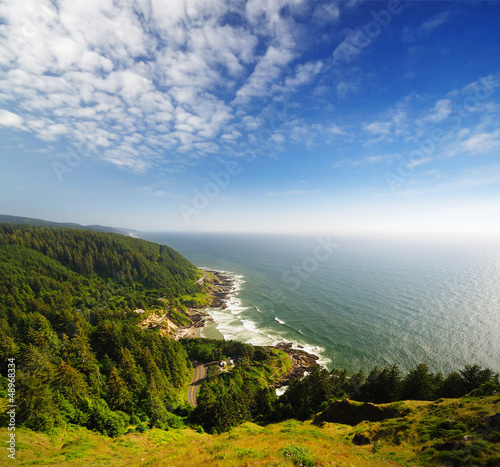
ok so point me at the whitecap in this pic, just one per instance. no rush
(249, 325)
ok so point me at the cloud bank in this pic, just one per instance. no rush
(139, 81)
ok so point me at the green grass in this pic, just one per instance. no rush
(179, 318)
(270, 370)
(199, 300)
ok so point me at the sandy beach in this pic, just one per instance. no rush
(188, 332)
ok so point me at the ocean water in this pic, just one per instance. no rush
(357, 302)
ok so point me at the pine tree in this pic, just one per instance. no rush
(419, 384)
(117, 394)
(130, 371)
(71, 383)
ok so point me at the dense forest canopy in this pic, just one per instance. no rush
(66, 297)
(43, 223)
(157, 269)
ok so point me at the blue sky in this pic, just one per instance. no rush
(277, 115)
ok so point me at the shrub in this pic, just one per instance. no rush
(493, 461)
(106, 421)
(455, 457)
(487, 389)
(298, 455)
(142, 427)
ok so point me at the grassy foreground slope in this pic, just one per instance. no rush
(447, 432)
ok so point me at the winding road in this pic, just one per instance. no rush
(200, 373)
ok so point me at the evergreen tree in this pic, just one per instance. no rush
(473, 376)
(419, 384)
(117, 394)
(452, 386)
(382, 386)
(71, 383)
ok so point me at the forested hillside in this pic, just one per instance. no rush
(66, 301)
(44, 223)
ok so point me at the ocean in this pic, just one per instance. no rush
(357, 302)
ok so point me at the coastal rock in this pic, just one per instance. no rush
(224, 286)
(490, 427)
(302, 361)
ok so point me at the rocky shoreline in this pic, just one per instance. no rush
(302, 362)
(224, 285)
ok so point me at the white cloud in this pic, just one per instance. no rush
(335, 130)
(251, 123)
(97, 71)
(344, 88)
(268, 70)
(10, 119)
(230, 137)
(441, 111)
(326, 12)
(482, 143)
(304, 73)
(378, 128)
(146, 190)
(412, 34)
(312, 134)
(367, 160)
(278, 138)
(419, 162)
(267, 19)
(434, 22)
(469, 178)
